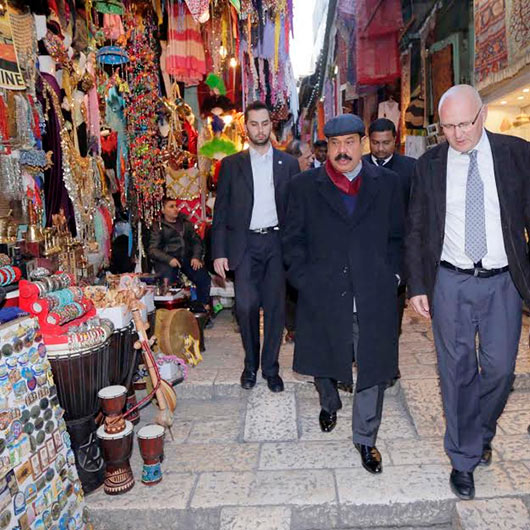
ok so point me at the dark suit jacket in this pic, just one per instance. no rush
(404, 167)
(332, 257)
(426, 218)
(235, 199)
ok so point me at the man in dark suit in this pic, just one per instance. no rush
(468, 269)
(382, 136)
(248, 217)
(342, 245)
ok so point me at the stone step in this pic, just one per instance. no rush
(493, 514)
(223, 383)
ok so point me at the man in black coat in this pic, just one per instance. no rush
(382, 136)
(468, 269)
(343, 251)
(249, 215)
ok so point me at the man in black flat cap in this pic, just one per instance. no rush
(342, 246)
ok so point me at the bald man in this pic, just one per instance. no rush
(468, 270)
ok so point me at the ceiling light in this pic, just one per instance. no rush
(526, 89)
(503, 102)
(520, 97)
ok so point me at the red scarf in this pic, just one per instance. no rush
(341, 180)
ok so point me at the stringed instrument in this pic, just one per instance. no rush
(165, 395)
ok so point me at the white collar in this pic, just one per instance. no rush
(374, 159)
(265, 156)
(483, 146)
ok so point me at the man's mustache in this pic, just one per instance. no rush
(342, 156)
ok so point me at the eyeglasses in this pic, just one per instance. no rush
(464, 126)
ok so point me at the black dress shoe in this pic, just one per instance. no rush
(371, 458)
(248, 379)
(462, 484)
(345, 387)
(274, 382)
(327, 420)
(485, 459)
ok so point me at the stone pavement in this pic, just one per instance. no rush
(245, 460)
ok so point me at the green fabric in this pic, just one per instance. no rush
(109, 7)
(236, 4)
(216, 82)
(216, 147)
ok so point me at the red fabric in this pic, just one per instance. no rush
(377, 49)
(342, 182)
(193, 137)
(4, 125)
(109, 143)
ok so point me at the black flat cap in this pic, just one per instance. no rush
(343, 125)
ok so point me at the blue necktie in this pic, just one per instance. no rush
(476, 245)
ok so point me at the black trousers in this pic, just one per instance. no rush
(260, 283)
(367, 404)
(199, 277)
(402, 299)
(291, 299)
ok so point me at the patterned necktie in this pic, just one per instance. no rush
(381, 161)
(476, 245)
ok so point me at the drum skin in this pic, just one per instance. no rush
(172, 327)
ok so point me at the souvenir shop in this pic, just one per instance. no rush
(106, 107)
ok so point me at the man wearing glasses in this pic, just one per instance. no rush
(468, 270)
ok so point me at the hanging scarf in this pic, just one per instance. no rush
(341, 180)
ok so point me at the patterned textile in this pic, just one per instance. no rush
(377, 32)
(405, 90)
(518, 32)
(502, 39)
(185, 51)
(491, 50)
(199, 9)
(442, 75)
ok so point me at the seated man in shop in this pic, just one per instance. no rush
(175, 246)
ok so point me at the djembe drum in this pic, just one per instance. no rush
(117, 449)
(78, 377)
(112, 400)
(151, 444)
(122, 356)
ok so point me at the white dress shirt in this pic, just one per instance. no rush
(316, 163)
(264, 212)
(455, 217)
(374, 160)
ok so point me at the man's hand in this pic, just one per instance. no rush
(196, 264)
(174, 263)
(220, 266)
(420, 303)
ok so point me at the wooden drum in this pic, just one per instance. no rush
(117, 449)
(151, 444)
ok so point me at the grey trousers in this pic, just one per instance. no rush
(367, 404)
(475, 383)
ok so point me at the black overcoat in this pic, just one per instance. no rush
(332, 257)
(404, 167)
(426, 215)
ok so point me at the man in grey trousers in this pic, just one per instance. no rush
(468, 269)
